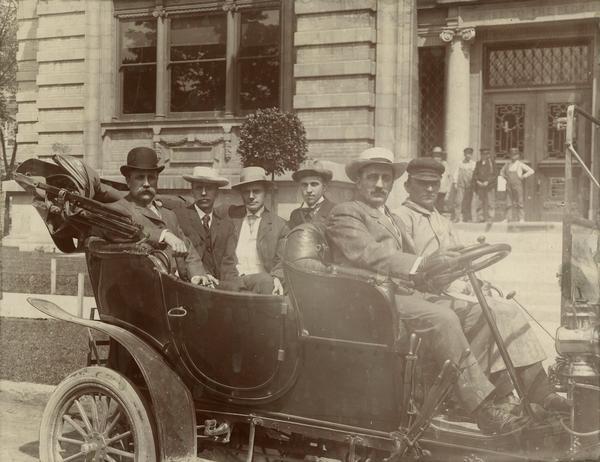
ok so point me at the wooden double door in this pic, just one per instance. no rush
(526, 120)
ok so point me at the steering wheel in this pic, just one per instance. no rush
(472, 258)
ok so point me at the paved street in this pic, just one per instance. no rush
(19, 426)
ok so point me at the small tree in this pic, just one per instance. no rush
(273, 140)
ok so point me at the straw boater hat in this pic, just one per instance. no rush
(253, 175)
(378, 156)
(425, 168)
(203, 174)
(312, 167)
(141, 159)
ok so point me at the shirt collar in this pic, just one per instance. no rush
(418, 208)
(258, 213)
(201, 212)
(317, 204)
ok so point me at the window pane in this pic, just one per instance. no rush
(259, 86)
(198, 87)
(138, 41)
(260, 33)
(202, 37)
(139, 89)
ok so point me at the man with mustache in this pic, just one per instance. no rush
(428, 232)
(259, 235)
(159, 224)
(313, 179)
(364, 234)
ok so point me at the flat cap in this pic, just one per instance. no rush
(425, 168)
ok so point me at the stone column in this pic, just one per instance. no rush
(397, 84)
(457, 120)
(161, 61)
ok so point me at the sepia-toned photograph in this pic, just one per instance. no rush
(299, 230)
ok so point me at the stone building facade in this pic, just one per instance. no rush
(98, 77)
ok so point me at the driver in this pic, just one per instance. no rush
(159, 224)
(427, 232)
(363, 233)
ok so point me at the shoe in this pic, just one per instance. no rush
(510, 404)
(497, 418)
(553, 402)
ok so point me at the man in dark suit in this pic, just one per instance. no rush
(260, 234)
(159, 224)
(363, 233)
(210, 231)
(485, 180)
(313, 179)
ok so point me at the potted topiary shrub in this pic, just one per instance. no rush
(274, 140)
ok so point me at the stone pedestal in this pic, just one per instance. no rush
(457, 121)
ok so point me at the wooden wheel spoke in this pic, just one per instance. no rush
(84, 416)
(95, 415)
(73, 457)
(105, 406)
(119, 452)
(75, 425)
(64, 439)
(111, 424)
(108, 458)
(118, 437)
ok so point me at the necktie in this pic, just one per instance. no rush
(309, 214)
(206, 223)
(251, 222)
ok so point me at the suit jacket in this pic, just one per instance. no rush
(485, 170)
(363, 237)
(154, 225)
(221, 239)
(270, 238)
(298, 216)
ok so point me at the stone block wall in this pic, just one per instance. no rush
(334, 75)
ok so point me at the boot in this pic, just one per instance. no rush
(499, 417)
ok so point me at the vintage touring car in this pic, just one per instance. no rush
(324, 373)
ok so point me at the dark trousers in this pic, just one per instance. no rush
(487, 198)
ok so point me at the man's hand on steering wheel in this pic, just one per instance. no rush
(438, 262)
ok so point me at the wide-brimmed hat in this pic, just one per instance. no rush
(252, 175)
(374, 156)
(425, 168)
(141, 158)
(203, 174)
(312, 167)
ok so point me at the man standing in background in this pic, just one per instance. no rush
(514, 172)
(463, 185)
(485, 181)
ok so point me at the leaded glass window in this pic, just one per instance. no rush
(509, 128)
(431, 98)
(524, 65)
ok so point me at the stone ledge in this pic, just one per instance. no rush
(327, 37)
(334, 100)
(328, 6)
(60, 54)
(60, 127)
(335, 68)
(60, 102)
(29, 138)
(60, 79)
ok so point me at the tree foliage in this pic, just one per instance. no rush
(8, 80)
(274, 140)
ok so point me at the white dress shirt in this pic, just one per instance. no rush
(201, 214)
(247, 250)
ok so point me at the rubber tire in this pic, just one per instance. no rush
(111, 383)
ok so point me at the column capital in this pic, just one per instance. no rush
(465, 34)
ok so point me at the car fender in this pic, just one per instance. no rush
(172, 403)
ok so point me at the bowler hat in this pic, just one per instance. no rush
(203, 174)
(374, 156)
(252, 175)
(141, 158)
(312, 167)
(425, 168)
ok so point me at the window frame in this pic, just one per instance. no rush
(166, 13)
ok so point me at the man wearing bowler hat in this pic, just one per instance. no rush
(260, 234)
(364, 234)
(485, 180)
(210, 231)
(313, 179)
(159, 224)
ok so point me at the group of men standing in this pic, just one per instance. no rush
(480, 179)
(241, 248)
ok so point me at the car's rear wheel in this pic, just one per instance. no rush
(96, 414)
